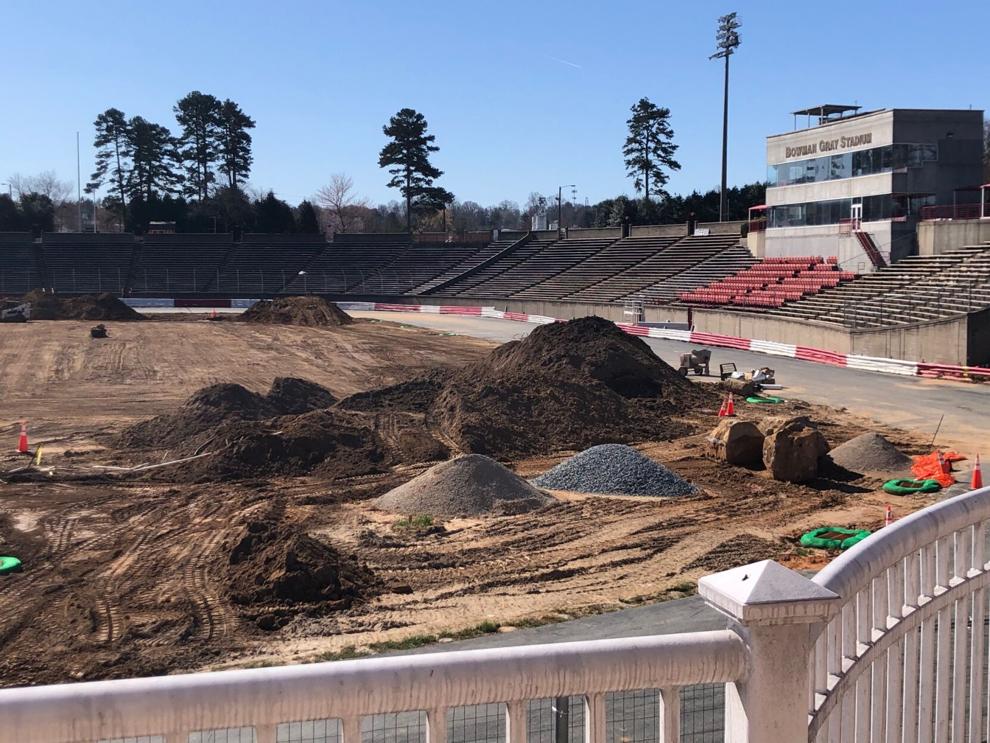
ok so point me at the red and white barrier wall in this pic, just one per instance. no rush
(697, 338)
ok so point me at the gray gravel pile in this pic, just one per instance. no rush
(470, 485)
(871, 454)
(614, 468)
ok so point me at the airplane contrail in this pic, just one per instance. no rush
(564, 61)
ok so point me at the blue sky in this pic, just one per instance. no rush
(522, 96)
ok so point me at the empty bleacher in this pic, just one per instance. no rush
(490, 251)
(86, 262)
(545, 269)
(348, 262)
(731, 260)
(179, 264)
(771, 282)
(18, 263)
(421, 262)
(468, 285)
(915, 289)
(263, 265)
(665, 257)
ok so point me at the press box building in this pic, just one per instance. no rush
(871, 173)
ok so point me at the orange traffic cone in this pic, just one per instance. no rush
(22, 441)
(721, 410)
(730, 408)
(888, 516)
(976, 479)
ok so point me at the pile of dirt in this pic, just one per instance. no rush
(103, 306)
(870, 454)
(212, 407)
(294, 396)
(614, 469)
(470, 485)
(309, 311)
(414, 396)
(566, 385)
(278, 563)
(330, 443)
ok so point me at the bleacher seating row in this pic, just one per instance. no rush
(710, 270)
(912, 290)
(772, 282)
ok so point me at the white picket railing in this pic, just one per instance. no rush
(905, 656)
(256, 704)
(888, 643)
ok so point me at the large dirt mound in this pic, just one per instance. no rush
(104, 306)
(210, 408)
(307, 310)
(590, 347)
(614, 469)
(567, 385)
(279, 563)
(414, 396)
(294, 396)
(870, 454)
(470, 485)
(327, 442)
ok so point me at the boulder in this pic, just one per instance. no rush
(792, 451)
(774, 423)
(736, 442)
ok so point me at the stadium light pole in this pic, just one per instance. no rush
(726, 42)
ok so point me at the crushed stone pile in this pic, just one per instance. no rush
(103, 306)
(470, 485)
(565, 386)
(211, 407)
(870, 454)
(614, 469)
(273, 562)
(309, 311)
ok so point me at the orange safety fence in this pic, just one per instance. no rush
(936, 466)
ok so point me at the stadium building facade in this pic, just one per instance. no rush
(870, 173)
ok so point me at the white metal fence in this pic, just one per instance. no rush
(888, 643)
(905, 656)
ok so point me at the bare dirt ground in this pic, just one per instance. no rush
(127, 577)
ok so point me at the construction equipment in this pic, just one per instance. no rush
(98, 331)
(11, 312)
(697, 361)
(726, 370)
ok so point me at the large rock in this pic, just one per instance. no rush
(773, 423)
(740, 387)
(791, 452)
(736, 442)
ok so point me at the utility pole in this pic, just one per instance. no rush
(726, 42)
(559, 204)
(78, 183)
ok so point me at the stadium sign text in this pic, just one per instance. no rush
(828, 145)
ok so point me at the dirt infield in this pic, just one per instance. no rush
(126, 574)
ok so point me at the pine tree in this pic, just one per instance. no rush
(407, 157)
(113, 153)
(307, 221)
(199, 116)
(649, 149)
(154, 156)
(234, 143)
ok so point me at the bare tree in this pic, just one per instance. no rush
(341, 205)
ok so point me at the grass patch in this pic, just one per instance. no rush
(414, 523)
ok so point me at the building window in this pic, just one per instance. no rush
(851, 164)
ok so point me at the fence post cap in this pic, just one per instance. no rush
(767, 593)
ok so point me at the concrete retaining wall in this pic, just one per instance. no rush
(658, 230)
(935, 238)
(721, 228)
